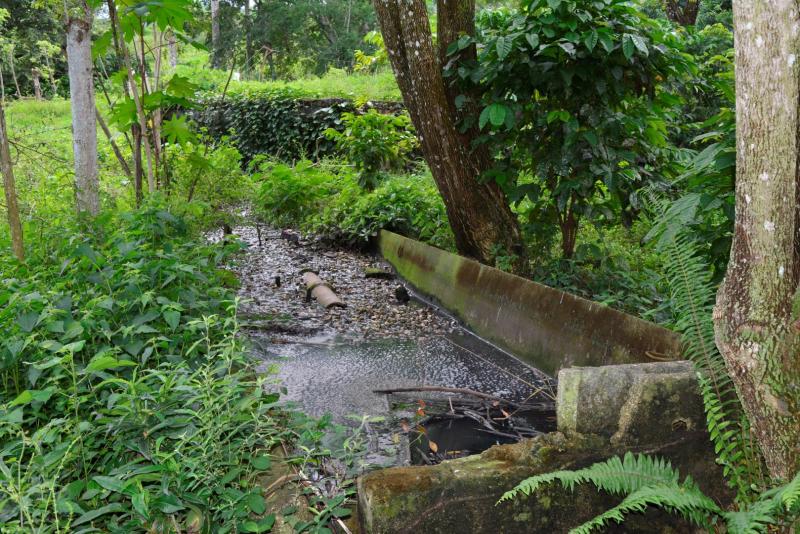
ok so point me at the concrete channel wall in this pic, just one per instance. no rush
(548, 328)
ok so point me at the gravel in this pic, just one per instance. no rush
(373, 310)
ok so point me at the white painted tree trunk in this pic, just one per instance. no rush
(756, 316)
(84, 128)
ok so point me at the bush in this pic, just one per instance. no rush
(327, 199)
(375, 143)
(283, 123)
(127, 401)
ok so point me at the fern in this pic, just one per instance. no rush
(693, 292)
(647, 481)
(616, 476)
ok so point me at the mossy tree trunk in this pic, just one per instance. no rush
(479, 213)
(682, 11)
(756, 316)
(9, 187)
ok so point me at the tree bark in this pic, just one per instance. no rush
(215, 51)
(172, 48)
(14, 72)
(2, 86)
(756, 315)
(479, 213)
(9, 186)
(84, 128)
(683, 12)
(37, 84)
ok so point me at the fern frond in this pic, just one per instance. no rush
(751, 520)
(686, 500)
(616, 476)
(789, 495)
(693, 295)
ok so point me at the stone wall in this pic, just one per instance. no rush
(546, 327)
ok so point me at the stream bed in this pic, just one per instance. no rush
(336, 362)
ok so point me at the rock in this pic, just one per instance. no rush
(401, 294)
(382, 274)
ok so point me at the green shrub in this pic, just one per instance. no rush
(127, 402)
(375, 143)
(207, 184)
(326, 199)
(284, 123)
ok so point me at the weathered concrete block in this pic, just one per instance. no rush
(544, 326)
(631, 404)
(460, 496)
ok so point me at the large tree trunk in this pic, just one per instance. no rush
(84, 128)
(756, 326)
(479, 214)
(683, 12)
(215, 51)
(12, 210)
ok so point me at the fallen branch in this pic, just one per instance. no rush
(463, 391)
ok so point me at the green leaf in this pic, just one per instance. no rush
(503, 47)
(590, 137)
(533, 40)
(641, 44)
(606, 41)
(181, 87)
(176, 130)
(590, 39)
(262, 463)
(497, 114)
(256, 503)
(105, 362)
(110, 483)
(628, 46)
(28, 321)
(173, 318)
(94, 514)
(553, 3)
(101, 44)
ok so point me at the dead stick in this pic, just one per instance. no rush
(463, 391)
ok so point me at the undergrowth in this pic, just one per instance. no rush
(127, 401)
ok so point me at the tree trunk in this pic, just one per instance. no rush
(215, 51)
(37, 84)
(84, 128)
(248, 40)
(683, 12)
(479, 213)
(14, 73)
(756, 316)
(2, 87)
(172, 48)
(12, 209)
(50, 75)
(114, 147)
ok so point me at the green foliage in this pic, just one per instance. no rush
(127, 402)
(276, 122)
(372, 62)
(647, 481)
(327, 199)
(375, 144)
(573, 93)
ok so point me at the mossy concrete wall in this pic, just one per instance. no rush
(548, 328)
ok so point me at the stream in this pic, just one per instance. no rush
(331, 362)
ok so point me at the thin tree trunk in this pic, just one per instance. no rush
(144, 137)
(122, 163)
(50, 75)
(37, 85)
(248, 41)
(756, 316)
(479, 213)
(84, 128)
(158, 39)
(215, 51)
(14, 73)
(2, 86)
(9, 186)
(172, 48)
